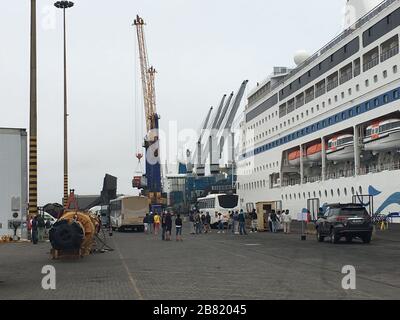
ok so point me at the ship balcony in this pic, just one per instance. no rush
(389, 53)
(357, 71)
(347, 76)
(371, 63)
(309, 97)
(290, 106)
(332, 84)
(300, 101)
(320, 91)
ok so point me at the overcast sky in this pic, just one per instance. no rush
(201, 50)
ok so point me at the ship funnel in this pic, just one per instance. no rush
(356, 9)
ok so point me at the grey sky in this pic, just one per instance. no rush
(201, 50)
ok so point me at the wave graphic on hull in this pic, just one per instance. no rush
(393, 199)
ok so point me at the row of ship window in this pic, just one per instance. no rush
(303, 114)
(305, 195)
(323, 194)
(260, 168)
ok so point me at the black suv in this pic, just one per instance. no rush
(344, 221)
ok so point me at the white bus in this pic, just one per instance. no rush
(127, 213)
(218, 203)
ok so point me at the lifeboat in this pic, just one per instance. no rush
(383, 136)
(294, 158)
(314, 153)
(340, 148)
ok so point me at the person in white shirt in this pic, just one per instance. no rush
(287, 220)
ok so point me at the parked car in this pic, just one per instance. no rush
(347, 221)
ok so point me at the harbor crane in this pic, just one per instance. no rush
(153, 187)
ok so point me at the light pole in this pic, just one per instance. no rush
(65, 5)
(32, 206)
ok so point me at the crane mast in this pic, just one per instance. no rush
(151, 141)
(147, 75)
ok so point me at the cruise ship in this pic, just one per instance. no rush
(328, 131)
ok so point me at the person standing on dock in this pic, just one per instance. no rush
(274, 221)
(254, 221)
(157, 221)
(235, 218)
(41, 226)
(192, 223)
(287, 220)
(178, 227)
(208, 223)
(168, 226)
(197, 221)
(203, 223)
(151, 222)
(242, 223)
(220, 223)
(34, 230)
(163, 225)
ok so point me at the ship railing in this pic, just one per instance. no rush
(320, 91)
(299, 102)
(346, 77)
(290, 183)
(389, 53)
(340, 174)
(312, 179)
(309, 97)
(379, 168)
(370, 64)
(332, 85)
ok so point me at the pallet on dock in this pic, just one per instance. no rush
(66, 254)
